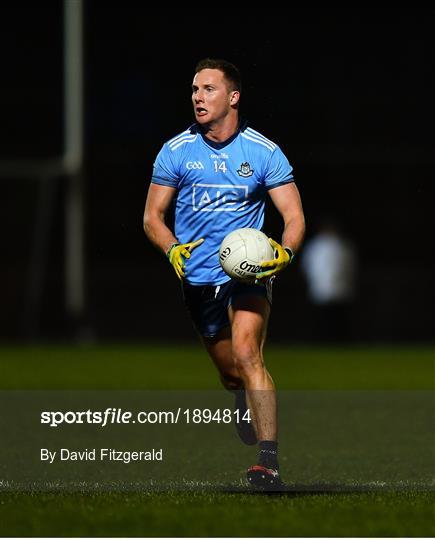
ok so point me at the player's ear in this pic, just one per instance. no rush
(235, 96)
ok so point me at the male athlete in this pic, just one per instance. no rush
(220, 171)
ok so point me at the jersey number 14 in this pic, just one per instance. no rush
(220, 166)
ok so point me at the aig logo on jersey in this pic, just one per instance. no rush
(219, 197)
(194, 165)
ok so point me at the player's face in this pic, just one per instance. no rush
(211, 96)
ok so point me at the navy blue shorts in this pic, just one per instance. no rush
(208, 304)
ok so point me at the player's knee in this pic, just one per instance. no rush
(247, 359)
(230, 382)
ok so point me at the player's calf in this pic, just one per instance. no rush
(243, 419)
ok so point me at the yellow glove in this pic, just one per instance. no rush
(177, 254)
(283, 257)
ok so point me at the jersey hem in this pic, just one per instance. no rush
(212, 283)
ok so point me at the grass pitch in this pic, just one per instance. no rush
(366, 510)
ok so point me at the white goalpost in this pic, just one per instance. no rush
(46, 172)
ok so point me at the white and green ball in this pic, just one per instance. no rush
(242, 251)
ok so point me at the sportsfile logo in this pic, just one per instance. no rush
(219, 197)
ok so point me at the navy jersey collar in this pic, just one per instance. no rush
(196, 128)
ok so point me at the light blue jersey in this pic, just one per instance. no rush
(221, 187)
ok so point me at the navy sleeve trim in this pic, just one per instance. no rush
(282, 183)
(163, 182)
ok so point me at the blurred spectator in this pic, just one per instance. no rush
(329, 263)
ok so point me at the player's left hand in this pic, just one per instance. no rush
(283, 258)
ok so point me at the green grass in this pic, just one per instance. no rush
(372, 512)
(188, 367)
(218, 514)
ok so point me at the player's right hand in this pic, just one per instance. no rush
(178, 253)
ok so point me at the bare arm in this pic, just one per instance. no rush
(158, 201)
(287, 201)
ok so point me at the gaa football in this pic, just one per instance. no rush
(242, 251)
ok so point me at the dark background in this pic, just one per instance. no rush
(347, 94)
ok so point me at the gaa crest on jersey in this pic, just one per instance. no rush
(194, 165)
(245, 170)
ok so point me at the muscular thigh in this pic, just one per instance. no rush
(219, 350)
(249, 316)
(240, 345)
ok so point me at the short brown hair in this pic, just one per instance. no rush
(230, 71)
